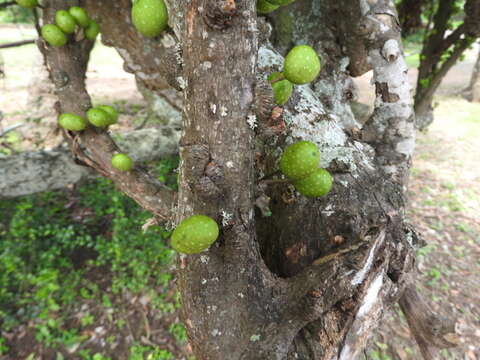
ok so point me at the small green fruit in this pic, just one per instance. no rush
(80, 16)
(275, 76)
(302, 65)
(65, 21)
(122, 162)
(282, 90)
(194, 234)
(299, 160)
(150, 17)
(317, 184)
(72, 122)
(53, 35)
(98, 117)
(265, 7)
(111, 112)
(30, 4)
(92, 30)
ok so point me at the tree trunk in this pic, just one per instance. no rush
(473, 89)
(440, 53)
(410, 15)
(289, 277)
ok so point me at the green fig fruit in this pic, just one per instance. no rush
(282, 90)
(275, 76)
(302, 65)
(299, 160)
(194, 234)
(111, 112)
(316, 184)
(80, 16)
(265, 7)
(72, 122)
(150, 17)
(122, 162)
(92, 30)
(65, 21)
(98, 117)
(29, 4)
(53, 35)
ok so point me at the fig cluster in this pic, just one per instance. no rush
(66, 23)
(99, 116)
(267, 6)
(300, 164)
(194, 234)
(300, 67)
(150, 17)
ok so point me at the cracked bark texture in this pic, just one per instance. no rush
(311, 280)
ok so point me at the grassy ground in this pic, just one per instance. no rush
(102, 307)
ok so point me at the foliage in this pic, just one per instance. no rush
(61, 247)
(15, 14)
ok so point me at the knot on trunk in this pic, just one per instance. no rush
(218, 14)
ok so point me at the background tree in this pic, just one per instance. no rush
(473, 90)
(263, 291)
(451, 28)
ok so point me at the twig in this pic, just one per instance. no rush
(11, 128)
(17, 43)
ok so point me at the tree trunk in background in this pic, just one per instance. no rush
(474, 87)
(289, 277)
(442, 48)
(410, 15)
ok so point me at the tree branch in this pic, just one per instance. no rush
(6, 4)
(431, 332)
(33, 172)
(155, 62)
(67, 66)
(17, 43)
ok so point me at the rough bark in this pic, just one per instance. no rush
(32, 172)
(312, 280)
(440, 52)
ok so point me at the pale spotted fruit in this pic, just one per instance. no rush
(72, 122)
(301, 65)
(194, 234)
(92, 30)
(98, 117)
(53, 35)
(265, 7)
(122, 162)
(299, 160)
(65, 21)
(80, 15)
(111, 112)
(150, 17)
(318, 183)
(29, 4)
